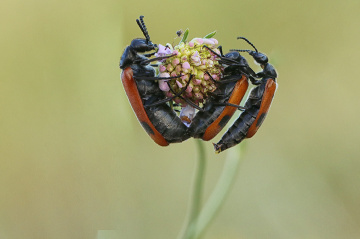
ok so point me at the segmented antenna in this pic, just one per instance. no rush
(145, 29)
(141, 27)
(248, 51)
(243, 38)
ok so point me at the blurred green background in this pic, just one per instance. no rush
(75, 161)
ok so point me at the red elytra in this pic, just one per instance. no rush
(237, 95)
(267, 98)
(138, 107)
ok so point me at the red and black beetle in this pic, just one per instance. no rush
(147, 100)
(225, 100)
(256, 106)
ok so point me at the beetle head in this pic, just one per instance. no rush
(259, 57)
(142, 45)
(235, 56)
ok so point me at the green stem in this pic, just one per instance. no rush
(195, 202)
(220, 192)
(198, 220)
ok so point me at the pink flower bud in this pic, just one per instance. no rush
(189, 89)
(176, 61)
(186, 65)
(197, 82)
(214, 40)
(175, 52)
(163, 85)
(208, 41)
(173, 73)
(191, 44)
(169, 67)
(164, 74)
(163, 51)
(206, 77)
(199, 40)
(162, 68)
(178, 69)
(179, 84)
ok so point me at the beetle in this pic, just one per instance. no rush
(256, 106)
(225, 100)
(147, 100)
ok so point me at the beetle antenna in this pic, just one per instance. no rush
(141, 27)
(243, 38)
(248, 51)
(146, 33)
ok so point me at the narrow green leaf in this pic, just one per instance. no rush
(210, 35)
(185, 36)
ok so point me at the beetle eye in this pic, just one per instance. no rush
(261, 58)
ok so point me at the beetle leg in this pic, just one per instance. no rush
(221, 51)
(228, 79)
(186, 99)
(190, 103)
(155, 77)
(212, 77)
(220, 56)
(149, 54)
(230, 62)
(168, 99)
(227, 60)
(155, 59)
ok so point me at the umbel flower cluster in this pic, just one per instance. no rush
(193, 62)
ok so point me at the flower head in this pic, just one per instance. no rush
(192, 65)
(192, 61)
